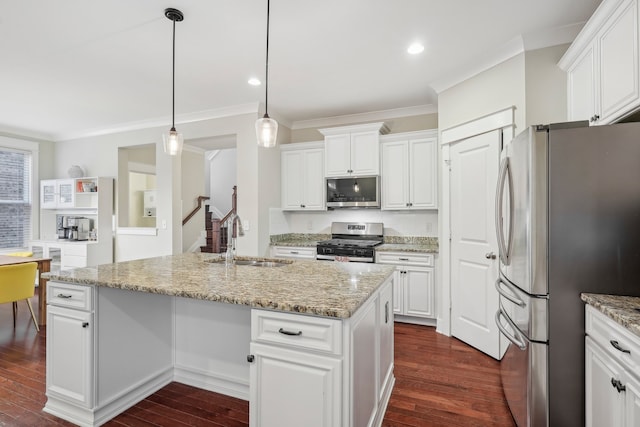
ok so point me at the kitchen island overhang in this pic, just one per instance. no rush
(227, 329)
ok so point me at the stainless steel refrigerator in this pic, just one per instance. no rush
(568, 221)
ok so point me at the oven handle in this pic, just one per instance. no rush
(515, 300)
(522, 345)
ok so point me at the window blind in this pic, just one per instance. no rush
(15, 198)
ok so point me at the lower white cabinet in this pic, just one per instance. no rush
(309, 383)
(293, 252)
(70, 354)
(315, 371)
(612, 379)
(414, 282)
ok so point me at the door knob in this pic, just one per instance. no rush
(490, 255)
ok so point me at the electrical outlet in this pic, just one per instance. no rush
(246, 226)
(164, 224)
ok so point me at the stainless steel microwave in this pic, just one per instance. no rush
(353, 192)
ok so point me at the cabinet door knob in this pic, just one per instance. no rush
(617, 384)
(250, 358)
(490, 255)
(85, 324)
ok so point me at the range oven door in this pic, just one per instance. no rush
(524, 367)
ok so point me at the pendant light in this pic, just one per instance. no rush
(266, 127)
(173, 140)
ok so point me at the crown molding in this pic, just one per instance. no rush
(365, 117)
(198, 116)
(519, 44)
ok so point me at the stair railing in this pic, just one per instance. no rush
(195, 210)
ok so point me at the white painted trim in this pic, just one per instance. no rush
(402, 136)
(302, 146)
(197, 116)
(588, 33)
(137, 231)
(229, 386)
(503, 119)
(378, 126)
(365, 117)
(142, 167)
(498, 120)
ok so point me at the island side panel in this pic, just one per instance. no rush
(211, 346)
(134, 347)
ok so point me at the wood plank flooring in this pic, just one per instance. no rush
(440, 381)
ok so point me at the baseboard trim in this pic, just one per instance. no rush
(234, 387)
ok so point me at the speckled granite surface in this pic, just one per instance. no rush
(621, 309)
(391, 243)
(297, 239)
(329, 289)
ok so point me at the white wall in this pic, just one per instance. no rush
(223, 169)
(396, 223)
(546, 86)
(99, 157)
(193, 184)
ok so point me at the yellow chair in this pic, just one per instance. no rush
(15, 303)
(17, 283)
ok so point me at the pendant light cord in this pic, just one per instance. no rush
(173, 82)
(266, 71)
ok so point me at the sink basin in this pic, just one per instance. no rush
(254, 262)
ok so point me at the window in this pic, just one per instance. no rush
(15, 198)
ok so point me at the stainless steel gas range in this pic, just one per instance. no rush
(351, 241)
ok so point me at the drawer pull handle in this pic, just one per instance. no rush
(294, 252)
(403, 259)
(64, 296)
(291, 333)
(617, 346)
(386, 312)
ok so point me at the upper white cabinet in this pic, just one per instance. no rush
(410, 170)
(79, 193)
(353, 150)
(302, 176)
(602, 65)
(57, 193)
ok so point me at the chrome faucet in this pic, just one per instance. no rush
(234, 229)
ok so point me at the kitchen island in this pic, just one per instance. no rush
(284, 337)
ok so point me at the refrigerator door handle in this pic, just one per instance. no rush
(504, 246)
(518, 341)
(517, 301)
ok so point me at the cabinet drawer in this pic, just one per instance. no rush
(77, 250)
(405, 258)
(296, 330)
(617, 341)
(68, 295)
(294, 252)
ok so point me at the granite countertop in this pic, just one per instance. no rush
(334, 289)
(621, 309)
(390, 244)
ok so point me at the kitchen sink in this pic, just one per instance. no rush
(255, 262)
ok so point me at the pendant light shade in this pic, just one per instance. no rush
(173, 140)
(266, 127)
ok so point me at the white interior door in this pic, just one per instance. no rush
(474, 248)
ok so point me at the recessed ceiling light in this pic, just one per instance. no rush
(254, 81)
(415, 48)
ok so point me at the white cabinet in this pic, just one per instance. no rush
(70, 344)
(317, 371)
(413, 288)
(57, 193)
(310, 383)
(294, 252)
(353, 150)
(302, 177)
(410, 171)
(612, 376)
(603, 79)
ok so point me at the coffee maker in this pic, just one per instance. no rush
(73, 227)
(80, 228)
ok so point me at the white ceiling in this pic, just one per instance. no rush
(75, 67)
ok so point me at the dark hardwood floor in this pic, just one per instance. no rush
(440, 381)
